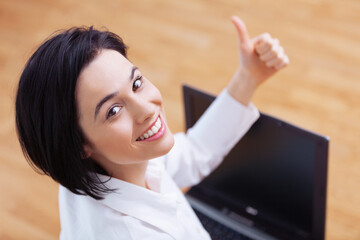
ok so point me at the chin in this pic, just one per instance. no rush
(168, 143)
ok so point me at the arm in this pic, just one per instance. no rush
(199, 151)
(230, 116)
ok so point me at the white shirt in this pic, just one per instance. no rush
(133, 212)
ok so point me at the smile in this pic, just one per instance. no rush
(155, 131)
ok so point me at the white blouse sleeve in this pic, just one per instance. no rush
(199, 151)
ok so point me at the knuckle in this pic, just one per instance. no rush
(259, 48)
(269, 44)
(287, 60)
(281, 54)
(263, 57)
(271, 62)
(275, 50)
(267, 35)
(281, 49)
(266, 38)
(269, 55)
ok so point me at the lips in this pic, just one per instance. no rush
(152, 130)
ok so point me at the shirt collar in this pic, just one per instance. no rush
(156, 207)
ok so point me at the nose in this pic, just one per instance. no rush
(142, 109)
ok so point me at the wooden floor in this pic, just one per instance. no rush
(194, 42)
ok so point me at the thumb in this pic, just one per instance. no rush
(242, 30)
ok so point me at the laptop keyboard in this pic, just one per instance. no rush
(219, 231)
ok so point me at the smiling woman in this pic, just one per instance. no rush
(124, 115)
(87, 117)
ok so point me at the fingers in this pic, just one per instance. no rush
(241, 29)
(262, 43)
(270, 51)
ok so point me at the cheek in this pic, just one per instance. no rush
(116, 135)
(112, 140)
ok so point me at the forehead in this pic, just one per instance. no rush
(107, 66)
(109, 71)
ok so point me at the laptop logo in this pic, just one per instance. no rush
(251, 210)
(237, 217)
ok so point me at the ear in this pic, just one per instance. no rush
(88, 150)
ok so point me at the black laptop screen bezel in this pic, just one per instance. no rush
(320, 168)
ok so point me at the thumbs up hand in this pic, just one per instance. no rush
(260, 58)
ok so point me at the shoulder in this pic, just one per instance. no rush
(83, 217)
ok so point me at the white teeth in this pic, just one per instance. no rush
(154, 129)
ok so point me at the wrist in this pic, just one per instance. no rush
(242, 87)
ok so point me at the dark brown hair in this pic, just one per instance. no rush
(46, 112)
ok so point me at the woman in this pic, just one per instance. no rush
(88, 118)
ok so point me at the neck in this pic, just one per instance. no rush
(131, 173)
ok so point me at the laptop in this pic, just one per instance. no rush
(272, 185)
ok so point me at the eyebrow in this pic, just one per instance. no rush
(111, 95)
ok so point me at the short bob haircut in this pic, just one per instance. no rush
(46, 111)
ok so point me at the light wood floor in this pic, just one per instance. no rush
(194, 42)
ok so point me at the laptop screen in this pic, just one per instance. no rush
(273, 178)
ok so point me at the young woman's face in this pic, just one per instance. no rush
(117, 107)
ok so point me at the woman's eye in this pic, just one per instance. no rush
(113, 112)
(137, 83)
